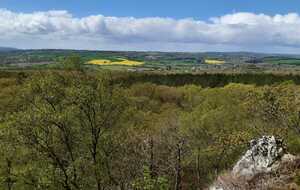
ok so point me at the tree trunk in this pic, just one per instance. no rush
(198, 168)
(9, 180)
(178, 167)
(151, 160)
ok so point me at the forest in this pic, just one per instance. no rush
(81, 129)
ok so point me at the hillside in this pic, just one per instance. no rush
(62, 129)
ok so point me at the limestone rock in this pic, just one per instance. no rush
(264, 156)
(261, 156)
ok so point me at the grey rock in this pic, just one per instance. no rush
(263, 156)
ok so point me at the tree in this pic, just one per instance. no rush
(147, 182)
(73, 62)
(100, 107)
(66, 120)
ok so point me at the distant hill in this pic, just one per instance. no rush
(7, 49)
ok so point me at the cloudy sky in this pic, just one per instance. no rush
(168, 25)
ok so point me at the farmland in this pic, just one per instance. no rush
(282, 60)
(174, 62)
(116, 62)
(214, 61)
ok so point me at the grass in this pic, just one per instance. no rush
(125, 62)
(214, 61)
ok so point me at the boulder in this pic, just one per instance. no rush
(265, 157)
(260, 157)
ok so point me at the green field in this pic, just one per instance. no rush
(282, 60)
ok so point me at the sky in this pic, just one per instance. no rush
(152, 25)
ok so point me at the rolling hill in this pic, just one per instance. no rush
(7, 49)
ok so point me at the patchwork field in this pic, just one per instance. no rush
(125, 62)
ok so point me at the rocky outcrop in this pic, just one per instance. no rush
(261, 156)
(264, 165)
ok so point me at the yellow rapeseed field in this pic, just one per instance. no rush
(214, 61)
(119, 62)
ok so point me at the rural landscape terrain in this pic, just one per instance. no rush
(171, 62)
(149, 95)
(115, 120)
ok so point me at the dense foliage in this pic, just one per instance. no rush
(77, 130)
(206, 79)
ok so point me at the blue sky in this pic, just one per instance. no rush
(199, 9)
(159, 25)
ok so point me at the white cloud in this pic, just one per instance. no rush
(231, 32)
